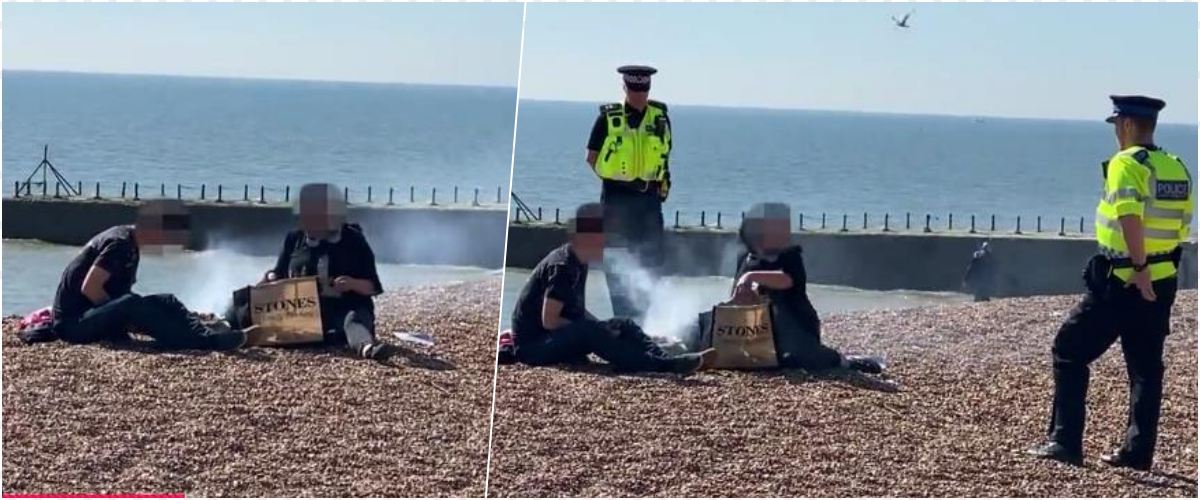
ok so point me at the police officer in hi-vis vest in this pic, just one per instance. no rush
(628, 149)
(1143, 216)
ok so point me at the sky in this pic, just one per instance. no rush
(436, 44)
(1011, 60)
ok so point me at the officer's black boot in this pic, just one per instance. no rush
(1122, 458)
(1054, 451)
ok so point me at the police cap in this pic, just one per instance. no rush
(637, 78)
(1136, 106)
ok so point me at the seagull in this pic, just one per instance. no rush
(902, 22)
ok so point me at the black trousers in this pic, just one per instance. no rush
(632, 221)
(1102, 317)
(620, 342)
(160, 316)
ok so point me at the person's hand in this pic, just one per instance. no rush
(746, 280)
(744, 294)
(1141, 279)
(268, 277)
(344, 284)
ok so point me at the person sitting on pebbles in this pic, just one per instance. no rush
(95, 299)
(551, 324)
(338, 255)
(772, 266)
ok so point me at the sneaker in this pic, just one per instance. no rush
(708, 359)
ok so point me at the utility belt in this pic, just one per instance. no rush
(635, 186)
(1100, 267)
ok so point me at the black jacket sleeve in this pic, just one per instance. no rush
(285, 255)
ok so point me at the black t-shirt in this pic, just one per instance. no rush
(561, 276)
(349, 256)
(113, 250)
(794, 300)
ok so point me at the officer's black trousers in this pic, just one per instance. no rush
(1092, 327)
(160, 316)
(626, 347)
(634, 222)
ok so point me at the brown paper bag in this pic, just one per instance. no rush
(286, 312)
(743, 336)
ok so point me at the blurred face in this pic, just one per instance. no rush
(768, 235)
(589, 247)
(321, 211)
(1123, 128)
(637, 98)
(162, 226)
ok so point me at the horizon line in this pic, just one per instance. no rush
(762, 107)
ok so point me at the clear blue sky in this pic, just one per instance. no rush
(443, 43)
(1021, 60)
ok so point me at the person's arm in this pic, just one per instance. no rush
(596, 141)
(591, 158)
(552, 318)
(1127, 185)
(775, 280)
(280, 271)
(93, 285)
(363, 278)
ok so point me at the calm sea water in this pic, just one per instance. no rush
(725, 159)
(156, 129)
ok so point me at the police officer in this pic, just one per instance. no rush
(1142, 218)
(629, 149)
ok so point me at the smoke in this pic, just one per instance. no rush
(205, 280)
(672, 303)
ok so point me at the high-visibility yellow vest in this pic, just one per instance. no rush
(635, 154)
(1156, 187)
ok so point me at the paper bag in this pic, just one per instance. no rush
(286, 312)
(743, 336)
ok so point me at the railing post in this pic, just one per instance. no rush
(122, 190)
(801, 219)
(864, 221)
(136, 195)
(475, 203)
(907, 221)
(97, 190)
(262, 193)
(1062, 226)
(202, 191)
(1018, 224)
(1039, 223)
(927, 219)
(1081, 225)
(245, 192)
(676, 219)
(178, 191)
(845, 218)
(972, 223)
(412, 194)
(702, 218)
(556, 216)
(369, 194)
(718, 220)
(162, 190)
(391, 192)
(455, 195)
(950, 222)
(822, 220)
(220, 193)
(993, 223)
(287, 193)
(346, 194)
(433, 201)
(886, 217)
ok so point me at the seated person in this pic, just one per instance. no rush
(338, 254)
(772, 266)
(95, 301)
(551, 324)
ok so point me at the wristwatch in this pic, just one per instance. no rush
(1137, 268)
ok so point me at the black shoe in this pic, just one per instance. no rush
(228, 341)
(1122, 458)
(1054, 451)
(865, 364)
(687, 364)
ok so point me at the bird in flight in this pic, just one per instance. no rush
(902, 22)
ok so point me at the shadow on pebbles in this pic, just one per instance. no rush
(261, 421)
(968, 390)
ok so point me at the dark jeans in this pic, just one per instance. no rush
(1092, 327)
(160, 316)
(335, 319)
(633, 221)
(622, 343)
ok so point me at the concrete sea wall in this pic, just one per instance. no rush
(457, 235)
(875, 260)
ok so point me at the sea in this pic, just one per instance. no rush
(841, 163)
(161, 131)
